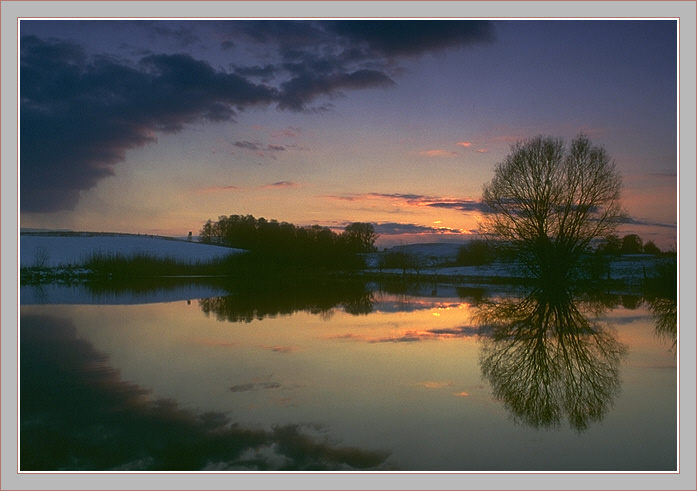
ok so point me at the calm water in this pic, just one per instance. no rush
(271, 378)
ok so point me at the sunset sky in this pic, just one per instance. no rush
(156, 126)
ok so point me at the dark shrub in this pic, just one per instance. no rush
(631, 244)
(400, 260)
(651, 248)
(476, 253)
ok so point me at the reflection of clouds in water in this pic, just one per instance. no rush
(255, 386)
(413, 335)
(435, 384)
(410, 304)
(281, 349)
(78, 414)
(213, 342)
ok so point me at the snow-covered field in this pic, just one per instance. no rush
(73, 250)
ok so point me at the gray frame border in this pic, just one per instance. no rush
(10, 11)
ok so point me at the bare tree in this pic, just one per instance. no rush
(549, 202)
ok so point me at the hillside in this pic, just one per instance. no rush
(65, 249)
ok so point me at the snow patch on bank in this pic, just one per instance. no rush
(53, 251)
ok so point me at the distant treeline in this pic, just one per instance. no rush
(629, 244)
(479, 252)
(284, 242)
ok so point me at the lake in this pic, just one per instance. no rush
(346, 376)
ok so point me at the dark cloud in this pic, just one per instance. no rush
(364, 39)
(634, 221)
(406, 197)
(297, 92)
(412, 37)
(288, 34)
(181, 33)
(265, 72)
(281, 184)
(323, 57)
(260, 148)
(247, 145)
(392, 228)
(462, 205)
(421, 200)
(79, 116)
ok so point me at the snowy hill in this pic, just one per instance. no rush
(66, 249)
(436, 252)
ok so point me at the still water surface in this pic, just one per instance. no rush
(435, 378)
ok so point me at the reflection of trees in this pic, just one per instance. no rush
(661, 293)
(665, 312)
(259, 300)
(547, 361)
(78, 414)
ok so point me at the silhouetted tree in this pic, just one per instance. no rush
(651, 248)
(611, 244)
(286, 244)
(631, 244)
(476, 253)
(400, 260)
(360, 237)
(548, 202)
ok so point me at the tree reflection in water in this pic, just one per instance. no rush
(665, 313)
(548, 361)
(258, 299)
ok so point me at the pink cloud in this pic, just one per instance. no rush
(482, 150)
(437, 153)
(464, 144)
(289, 132)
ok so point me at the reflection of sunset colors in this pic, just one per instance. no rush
(398, 322)
(375, 371)
(330, 122)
